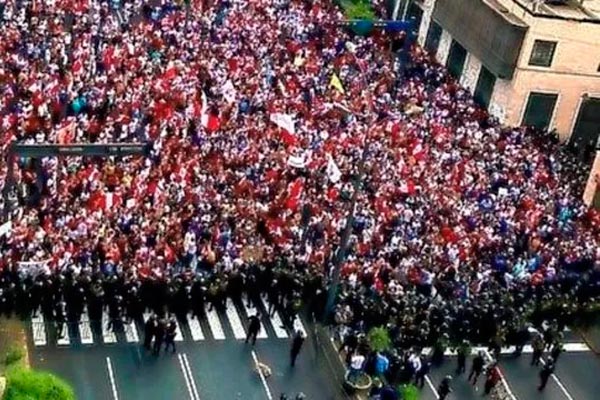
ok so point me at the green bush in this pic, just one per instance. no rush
(358, 9)
(408, 392)
(14, 355)
(25, 384)
(379, 339)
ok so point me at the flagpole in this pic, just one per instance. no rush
(340, 256)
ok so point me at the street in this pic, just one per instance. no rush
(575, 378)
(212, 361)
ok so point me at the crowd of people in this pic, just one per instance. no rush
(264, 117)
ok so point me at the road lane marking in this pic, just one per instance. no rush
(85, 329)
(527, 349)
(63, 339)
(185, 376)
(111, 376)
(234, 320)
(195, 328)
(433, 389)
(178, 332)
(186, 364)
(262, 334)
(262, 376)
(38, 326)
(131, 332)
(502, 378)
(559, 383)
(108, 335)
(214, 323)
(276, 322)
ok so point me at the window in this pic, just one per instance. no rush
(542, 53)
(485, 87)
(539, 110)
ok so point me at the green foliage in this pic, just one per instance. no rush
(379, 339)
(25, 384)
(408, 392)
(358, 9)
(14, 355)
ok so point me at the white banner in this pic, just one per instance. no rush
(34, 268)
(333, 172)
(284, 121)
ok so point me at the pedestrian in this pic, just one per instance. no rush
(461, 359)
(159, 337)
(476, 367)
(297, 343)
(444, 388)
(538, 349)
(545, 373)
(149, 331)
(253, 328)
(492, 379)
(170, 334)
(556, 351)
(422, 372)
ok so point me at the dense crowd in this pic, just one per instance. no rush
(261, 114)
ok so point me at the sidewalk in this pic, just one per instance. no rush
(591, 337)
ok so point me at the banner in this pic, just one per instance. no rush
(229, 92)
(284, 121)
(34, 268)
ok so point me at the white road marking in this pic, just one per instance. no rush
(527, 349)
(195, 328)
(559, 383)
(63, 339)
(262, 334)
(186, 364)
(433, 389)
(185, 376)
(502, 379)
(38, 327)
(234, 320)
(111, 376)
(276, 322)
(214, 323)
(299, 326)
(85, 329)
(131, 332)
(262, 376)
(108, 335)
(178, 332)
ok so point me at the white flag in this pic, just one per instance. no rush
(333, 172)
(284, 121)
(5, 228)
(229, 92)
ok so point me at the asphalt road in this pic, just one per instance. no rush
(217, 365)
(576, 377)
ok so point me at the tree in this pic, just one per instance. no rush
(379, 339)
(26, 384)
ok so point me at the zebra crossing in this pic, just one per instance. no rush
(230, 323)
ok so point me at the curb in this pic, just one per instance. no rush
(589, 342)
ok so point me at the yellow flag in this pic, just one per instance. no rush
(336, 83)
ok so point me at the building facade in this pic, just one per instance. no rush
(529, 62)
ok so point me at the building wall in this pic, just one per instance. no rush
(444, 47)
(593, 183)
(426, 21)
(470, 73)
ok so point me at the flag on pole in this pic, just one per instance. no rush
(336, 83)
(333, 172)
(209, 121)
